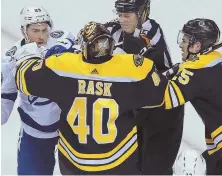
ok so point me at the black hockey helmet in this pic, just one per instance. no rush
(97, 41)
(202, 30)
(140, 7)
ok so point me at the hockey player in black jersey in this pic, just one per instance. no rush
(93, 89)
(136, 33)
(199, 81)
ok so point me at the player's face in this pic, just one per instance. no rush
(184, 47)
(128, 21)
(38, 33)
(194, 48)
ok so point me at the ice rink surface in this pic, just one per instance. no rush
(71, 15)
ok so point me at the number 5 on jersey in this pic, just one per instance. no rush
(184, 77)
(78, 112)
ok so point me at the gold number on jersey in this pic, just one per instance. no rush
(184, 77)
(78, 111)
(156, 79)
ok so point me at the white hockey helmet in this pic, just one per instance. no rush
(190, 162)
(34, 14)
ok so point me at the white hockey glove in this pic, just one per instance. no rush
(28, 51)
(190, 163)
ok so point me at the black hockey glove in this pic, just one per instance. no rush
(134, 45)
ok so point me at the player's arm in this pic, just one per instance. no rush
(160, 55)
(149, 92)
(33, 77)
(150, 43)
(8, 90)
(184, 87)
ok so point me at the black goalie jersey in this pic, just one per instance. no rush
(92, 96)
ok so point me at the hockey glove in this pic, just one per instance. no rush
(170, 73)
(134, 45)
(62, 46)
(28, 51)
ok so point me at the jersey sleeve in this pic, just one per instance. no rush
(148, 92)
(160, 55)
(8, 89)
(33, 77)
(185, 86)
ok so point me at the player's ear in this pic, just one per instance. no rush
(22, 31)
(197, 46)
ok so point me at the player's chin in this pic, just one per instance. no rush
(183, 56)
(127, 29)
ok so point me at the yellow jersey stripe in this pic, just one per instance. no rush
(22, 77)
(155, 106)
(178, 93)
(100, 161)
(167, 99)
(100, 155)
(18, 73)
(216, 132)
(203, 61)
(219, 146)
(119, 161)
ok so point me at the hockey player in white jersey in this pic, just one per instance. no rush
(39, 116)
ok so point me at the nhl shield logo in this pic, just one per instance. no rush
(138, 60)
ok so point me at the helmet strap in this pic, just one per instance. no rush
(27, 40)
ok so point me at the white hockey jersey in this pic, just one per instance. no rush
(39, 116)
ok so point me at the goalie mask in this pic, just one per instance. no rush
(96, 41)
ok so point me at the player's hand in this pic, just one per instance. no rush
(136, 45)
(28, 51)
(62, 46)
